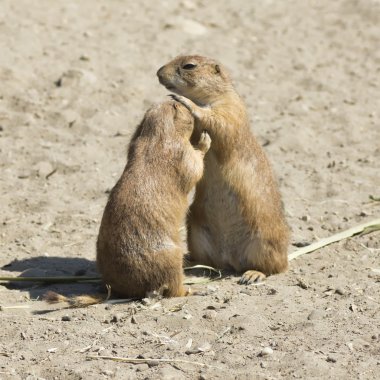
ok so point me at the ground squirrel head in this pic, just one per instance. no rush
(167, 119)
(198, 78)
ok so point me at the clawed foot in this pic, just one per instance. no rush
(204, 142)
(252, 277)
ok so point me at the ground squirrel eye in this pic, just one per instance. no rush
(189, 66)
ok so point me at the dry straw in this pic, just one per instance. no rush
(362, 229)
(138, 360)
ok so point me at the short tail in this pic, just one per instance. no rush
(74, 301)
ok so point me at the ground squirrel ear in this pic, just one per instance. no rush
(175, 108)
(218, 69)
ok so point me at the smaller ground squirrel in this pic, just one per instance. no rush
(236, 220)
(139, 247)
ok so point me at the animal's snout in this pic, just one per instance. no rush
(160, 72)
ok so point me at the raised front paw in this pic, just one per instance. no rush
(204, 142)
(185, 101)
(251, 277)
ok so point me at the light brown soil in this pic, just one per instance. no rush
(76, 78)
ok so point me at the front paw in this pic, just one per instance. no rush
(184, 101)
(252, 277)
(204, 142)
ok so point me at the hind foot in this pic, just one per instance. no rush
(252, 277)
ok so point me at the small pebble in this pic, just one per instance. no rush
(302, 283)
(305, 218)
(339, 291)
(66, 318)
(43, 168)
(301, 244)
(107, 372)
(97, 348)
(315, 314)
(331, 359)
(210, 314)
(192, 27)
(211, 289)
(272, 291)
(189, 5)
(141, 367)
(169, 373)
(204, 347)
(146, 301)
(116, 318)
(153, 363)
(353, 307)
(104, 352)
(24, 174)
(350, 346)
(266, 351)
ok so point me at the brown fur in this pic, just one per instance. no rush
(74, 301)
(139, 247)
(236, 220)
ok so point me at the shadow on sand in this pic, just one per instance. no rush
(53, 267)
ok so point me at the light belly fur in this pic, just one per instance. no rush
(224, 236)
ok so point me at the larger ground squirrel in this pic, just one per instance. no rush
(236, 220)
(139, 247)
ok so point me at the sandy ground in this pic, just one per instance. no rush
(76, 78)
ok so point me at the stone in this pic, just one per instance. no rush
(266, 351)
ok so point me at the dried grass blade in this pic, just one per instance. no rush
(52, 280)
(364, 228)
(137, 360)
(202, 267)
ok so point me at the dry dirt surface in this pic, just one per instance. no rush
(76, 78)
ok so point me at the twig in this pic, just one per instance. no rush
(52, 280)
(51, 173)
(14, 307)
(71, 279)
(202, 267)
(119, 300)
(224, 332)
(108, 292)
(136, 360)
(365, 228)
(211, 269)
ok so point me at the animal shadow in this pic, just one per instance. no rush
(53, 267)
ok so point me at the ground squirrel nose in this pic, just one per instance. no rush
(159, 72)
